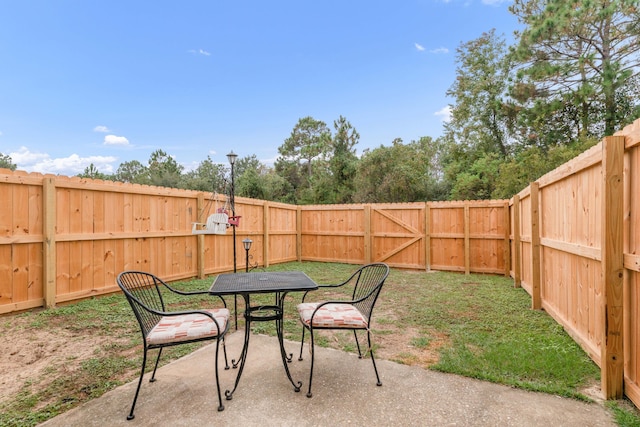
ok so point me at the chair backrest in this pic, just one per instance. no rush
(367, 282)
(143, 293)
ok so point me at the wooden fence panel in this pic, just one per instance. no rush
(470, 236)
(570, 249)
(397, 234)
(21, 228)
(581, 284)
(631, 246)
(103, 228)
(526, 255)
(488, 232)
(333, 233)
(282, 240)
(447, 236)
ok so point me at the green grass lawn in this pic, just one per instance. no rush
(478, 326)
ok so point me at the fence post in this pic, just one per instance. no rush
(467, 241)
(427, 235)
(49, 241)
(507, 240)
(517, 250)
(367, 234)
(266, 220)
(536, 297)
(612, 356)
(299, 233)
(200, 237)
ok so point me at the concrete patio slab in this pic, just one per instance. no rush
(344, 393)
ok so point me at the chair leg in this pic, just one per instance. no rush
(224, 349)
(135, 397)
(301, 343)
(373, 360)
(313, 353)
(153, 377)
(355, 336)
(220, 405)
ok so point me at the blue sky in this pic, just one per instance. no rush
(104, 82)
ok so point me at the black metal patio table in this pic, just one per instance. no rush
(279, 283)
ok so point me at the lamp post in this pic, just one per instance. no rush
(232, 160)
(247, 245)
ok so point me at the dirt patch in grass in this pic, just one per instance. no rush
(28, 353)
(409, 346)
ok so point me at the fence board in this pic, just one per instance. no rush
(34, 284)
(6, 215)
(447, 236)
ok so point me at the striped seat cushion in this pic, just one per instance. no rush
(332, 315)
(188, 327)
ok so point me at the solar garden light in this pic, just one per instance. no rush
(247, 245)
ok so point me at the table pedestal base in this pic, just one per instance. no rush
(263, 313)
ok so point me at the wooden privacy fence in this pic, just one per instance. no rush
(571, 240)
(63, 239)
(468, 236)
(575, 250)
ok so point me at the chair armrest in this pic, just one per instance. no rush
(181, 292)
(336, 285)
(349, 301)
(189, 293)
(324, 286)
(171, 313)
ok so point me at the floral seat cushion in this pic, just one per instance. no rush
(188, 327)
(332, 316)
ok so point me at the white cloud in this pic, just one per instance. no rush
(74, 164)
(419, 47)
(444, 113)
(102, 129)
(199, 52)
(439, 50)
(115, 140)
(71, 165)
(24, 157)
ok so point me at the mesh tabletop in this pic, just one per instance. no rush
(272, 281)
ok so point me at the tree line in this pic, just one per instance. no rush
(518, 111)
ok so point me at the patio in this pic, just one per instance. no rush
(344, 394)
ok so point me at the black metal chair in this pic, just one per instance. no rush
(161, 328)
(353, 314)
